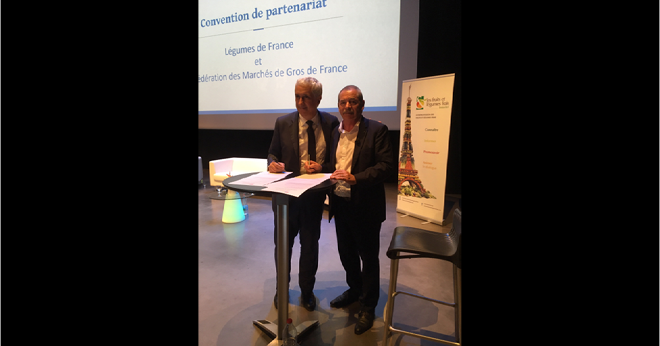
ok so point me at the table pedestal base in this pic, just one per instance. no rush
(281, 218)
(270, 329)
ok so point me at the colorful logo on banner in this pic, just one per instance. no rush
(420, 103)
(431, 102)
(437, 102)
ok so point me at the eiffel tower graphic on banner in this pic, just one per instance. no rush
(409, 182)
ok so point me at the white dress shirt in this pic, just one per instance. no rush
(344, 156)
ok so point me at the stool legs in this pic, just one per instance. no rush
(389, 309)
(458, 314)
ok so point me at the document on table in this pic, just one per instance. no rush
(262, 178)
(297, 185)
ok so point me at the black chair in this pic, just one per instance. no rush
(409, 242)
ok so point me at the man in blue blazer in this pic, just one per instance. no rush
(363, 159)
(289, 152)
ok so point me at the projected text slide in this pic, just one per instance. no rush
(252, 52)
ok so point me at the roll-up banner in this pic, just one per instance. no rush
(425, 125)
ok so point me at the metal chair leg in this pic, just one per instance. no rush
(389, 309)
(458, 314)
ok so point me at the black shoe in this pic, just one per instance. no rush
(308, 302)
(275, 301)
(345, 299)
(365, 322)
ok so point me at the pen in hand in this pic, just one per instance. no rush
(276, 167)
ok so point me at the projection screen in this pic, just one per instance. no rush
(251, 53)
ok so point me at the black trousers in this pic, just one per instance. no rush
(305, 213)
(358, 240)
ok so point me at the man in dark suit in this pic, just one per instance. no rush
(363, 159)
(289, 152)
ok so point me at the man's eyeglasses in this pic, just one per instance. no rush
(353, 102)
